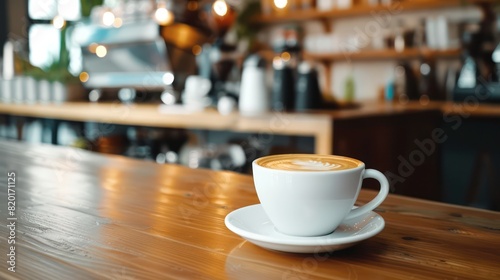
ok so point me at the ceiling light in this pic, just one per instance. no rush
(108, 18)
(220, 8)
(58, 22)
(280, 4)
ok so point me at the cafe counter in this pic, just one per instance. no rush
(83, 215)
(317, 123)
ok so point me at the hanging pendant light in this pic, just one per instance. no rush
(220, 8)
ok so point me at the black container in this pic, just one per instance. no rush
(307, 91)
(283, 89)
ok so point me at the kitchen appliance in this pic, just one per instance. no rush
(283, 89)
(478, 79)
(307, 91)
(132, 57)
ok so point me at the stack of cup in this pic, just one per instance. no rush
(195, 94)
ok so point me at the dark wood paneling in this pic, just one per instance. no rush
(388, 143)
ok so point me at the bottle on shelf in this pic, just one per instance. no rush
(349, 88)
(344, 4)
(325, 5)
(388, 93)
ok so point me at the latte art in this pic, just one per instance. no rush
(315, 165)
(299, 162)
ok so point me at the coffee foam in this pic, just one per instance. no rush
(299, 162)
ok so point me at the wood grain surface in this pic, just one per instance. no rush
(82, 215)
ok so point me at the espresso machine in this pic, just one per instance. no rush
(479, 77)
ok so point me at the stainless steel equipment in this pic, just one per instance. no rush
(132, 57)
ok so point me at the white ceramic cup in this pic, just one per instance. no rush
(197, 86)
(313, 201)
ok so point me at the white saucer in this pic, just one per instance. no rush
(252, 223)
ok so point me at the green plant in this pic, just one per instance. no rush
(87, 5)
(58, 69)
(243, 24)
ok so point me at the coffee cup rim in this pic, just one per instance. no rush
(360, 166)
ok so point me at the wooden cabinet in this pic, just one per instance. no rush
(389, 143)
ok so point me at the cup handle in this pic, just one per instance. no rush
(382, 194)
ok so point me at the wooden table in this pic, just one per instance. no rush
(82, 215)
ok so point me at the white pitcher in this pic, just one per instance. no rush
(254, 95)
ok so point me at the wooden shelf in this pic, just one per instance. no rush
(383, 54)
(360, 10)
